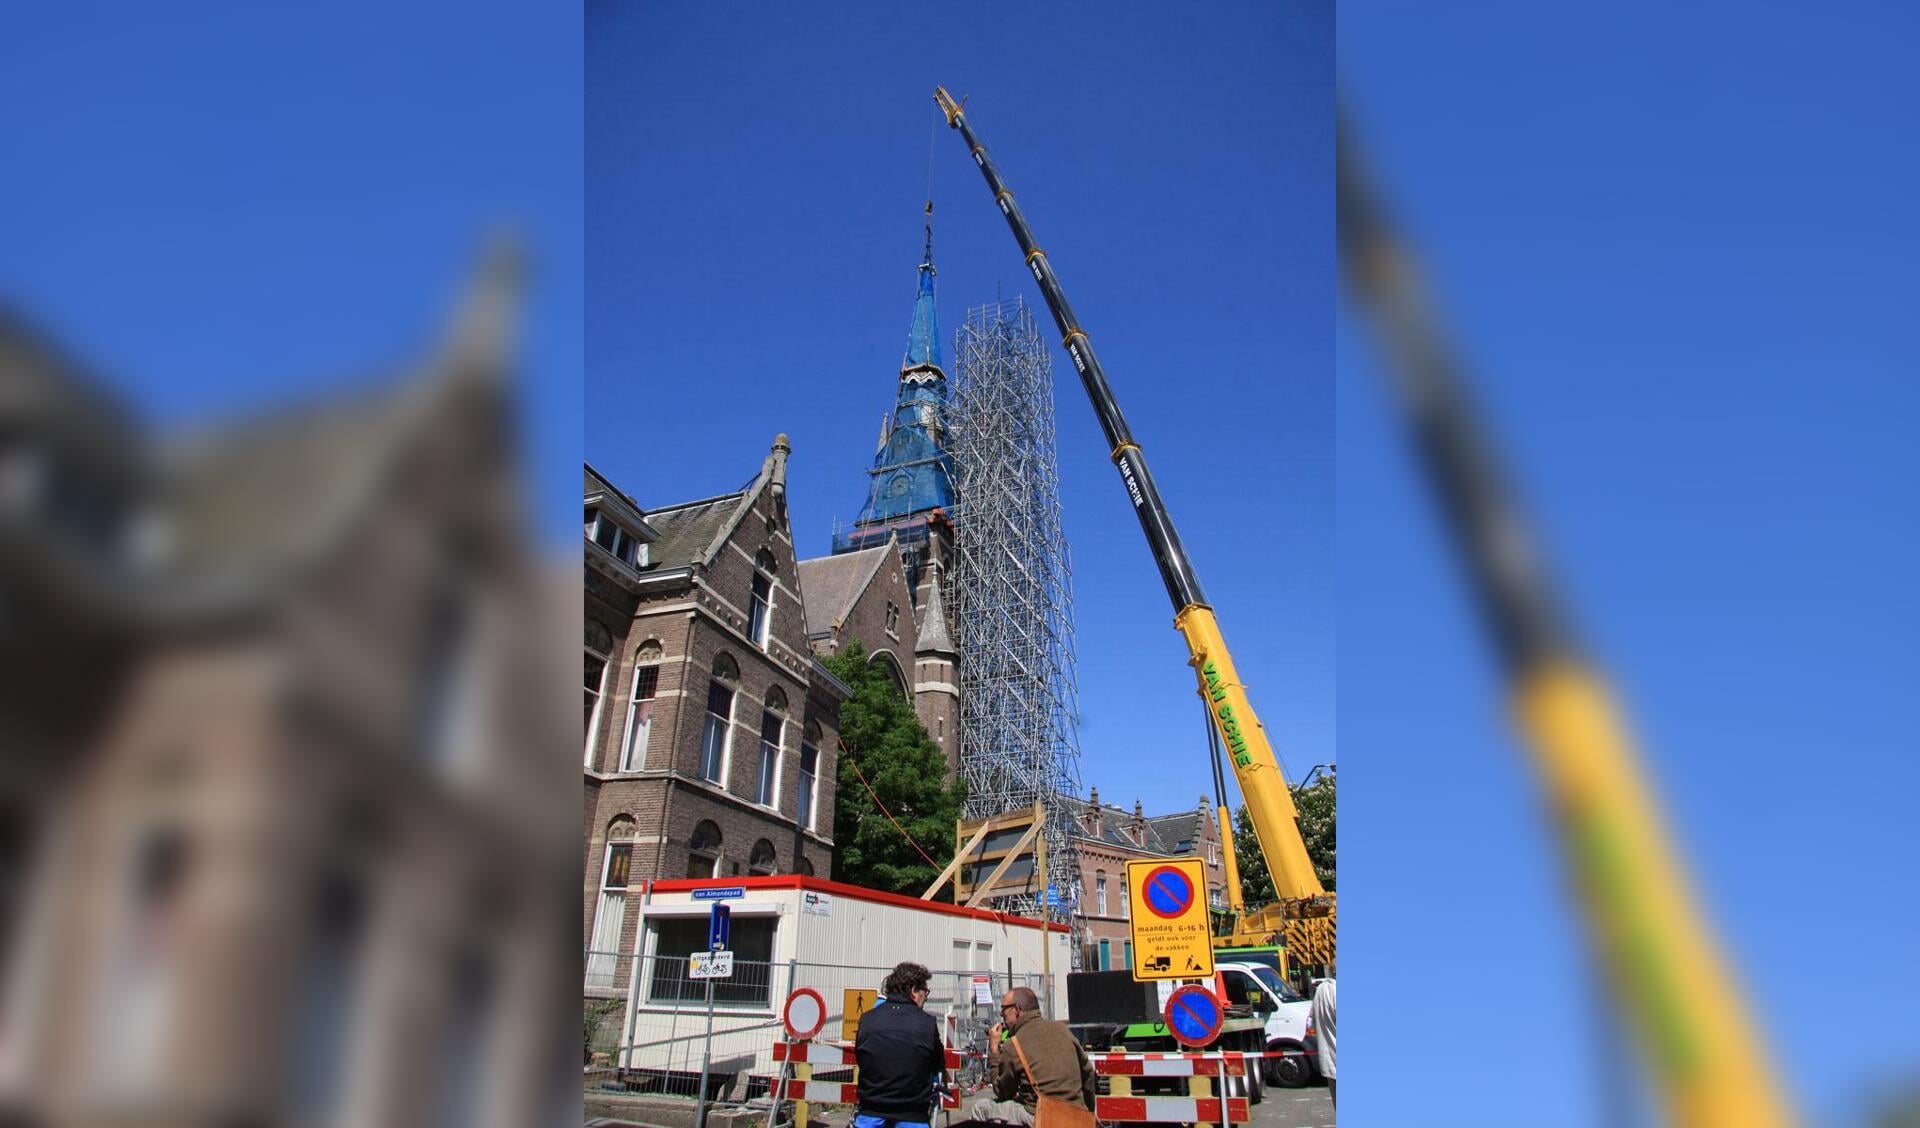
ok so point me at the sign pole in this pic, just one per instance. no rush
(1046, 910)
(706, 1061)
(1225, 1116)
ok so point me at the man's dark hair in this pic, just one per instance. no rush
(1025, 999)
(905, 979)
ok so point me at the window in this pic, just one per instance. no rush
(718, 733)
(603, 950)
(1213, 852)
(602, 531)
(1106, 955)
(809, 776)
(646, 681)
(1126, 953)
(1124, 914)
(762, 861)
(1100, 898)
(750, 987)
(596, 679)
(761, 616)
(703, 850)
(893, 618)
(803, 866)
(771, 726)
(1216, 899)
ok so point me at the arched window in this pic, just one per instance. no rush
(889, 663)
(610, 914)
(773, 728)
(640, 702)
(809, 775)
(716, 738)
(804, 867)
(762, 861)
(703, 850)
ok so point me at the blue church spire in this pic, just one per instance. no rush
(923, 339)
(911, 473)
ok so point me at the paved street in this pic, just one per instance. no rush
(1295, 1108)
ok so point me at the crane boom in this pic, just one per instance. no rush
(1269, 803)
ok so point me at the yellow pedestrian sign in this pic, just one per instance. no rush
(1172, 933)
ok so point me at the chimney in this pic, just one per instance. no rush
(775, 467)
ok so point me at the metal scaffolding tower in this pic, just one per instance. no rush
(1012, 592)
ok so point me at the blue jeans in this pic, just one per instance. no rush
(865, 1120)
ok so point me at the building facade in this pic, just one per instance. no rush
(711, 727)
(1108, 838)
(298, 864)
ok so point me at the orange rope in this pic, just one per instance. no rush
(883, 809)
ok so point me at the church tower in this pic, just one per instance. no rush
(909, 497)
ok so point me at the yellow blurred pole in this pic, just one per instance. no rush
(1696, 1035)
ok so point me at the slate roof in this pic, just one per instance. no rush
(687, 529)
(932, 628)
(1163, 834)
(255, 493)
(830, 584)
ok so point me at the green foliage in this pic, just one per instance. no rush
(596, 1013)
(1316, 808)
(905, 768)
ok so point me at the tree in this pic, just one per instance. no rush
(883, 742)
(1316, 807)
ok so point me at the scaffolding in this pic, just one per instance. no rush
(1012, 593)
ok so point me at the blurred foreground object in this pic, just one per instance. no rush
(1695, 1034)
(288, 831)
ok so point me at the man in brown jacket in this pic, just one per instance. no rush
(1060, 1066)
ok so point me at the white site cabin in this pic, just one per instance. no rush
(793, 931)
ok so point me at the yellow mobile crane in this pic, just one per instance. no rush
(1305, 911)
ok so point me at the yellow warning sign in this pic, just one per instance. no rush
(1171, 931)
(858, 1000)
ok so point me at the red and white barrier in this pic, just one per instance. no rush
(833, 1053)
(1171, 1110)
(835, 1092)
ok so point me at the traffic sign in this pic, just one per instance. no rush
(804, 1014)
(1172, 934)
(1169, 893)
(1053, 895)
(720, 893)
(710, 965)
(1194, 1016)
(719, 926)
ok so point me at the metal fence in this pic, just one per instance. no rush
(646, 1023)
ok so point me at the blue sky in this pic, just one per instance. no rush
(1674, 245)
(222, 208)
(755, 185)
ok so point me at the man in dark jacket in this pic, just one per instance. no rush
(899, 1053)
(1060, 1066)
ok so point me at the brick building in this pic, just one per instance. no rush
(1109, 837)
(295, 857)
(711, 727)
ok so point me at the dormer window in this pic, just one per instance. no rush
(602, 531)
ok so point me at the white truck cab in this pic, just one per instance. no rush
(1287, 1017)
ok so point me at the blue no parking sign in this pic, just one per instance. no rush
(1194, 1016)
